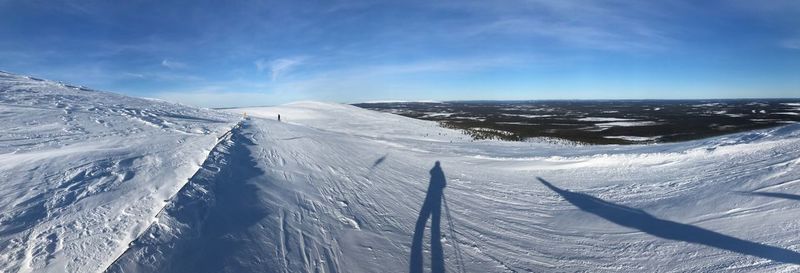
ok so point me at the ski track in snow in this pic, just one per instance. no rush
(337, 188)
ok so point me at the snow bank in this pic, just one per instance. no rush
(84, 172)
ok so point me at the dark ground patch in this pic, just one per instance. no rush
(602, 122)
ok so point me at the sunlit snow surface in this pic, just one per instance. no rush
(335, 188)
(83, 172)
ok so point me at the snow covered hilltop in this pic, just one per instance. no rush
(97, 182)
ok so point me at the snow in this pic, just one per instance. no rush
(83, 172)
(528, 116)
(491, 130)
(353, 120)
(435, 115)
(403, 101)
(516, 123)
(470, 118)
(506, 220)
(634, 138)
(603, 119)
(711, 104)
(736, 115)
(626, 124)
(336, 188)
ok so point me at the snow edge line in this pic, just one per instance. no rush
(227, 135)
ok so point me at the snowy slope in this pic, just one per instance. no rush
(337, 188)
(83, 172)
(353, 120)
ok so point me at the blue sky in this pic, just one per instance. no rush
(237, 53)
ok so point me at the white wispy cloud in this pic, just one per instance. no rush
(360, 82)
(173, 64)
(134, 75)
(437, 65)
(585, 24)
(278, 67)
(354, 83)
(230, 93)
(791, 44)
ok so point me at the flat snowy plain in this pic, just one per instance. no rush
(97, 182)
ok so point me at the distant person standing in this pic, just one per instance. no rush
(279, 117)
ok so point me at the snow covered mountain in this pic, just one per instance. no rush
(95, 182)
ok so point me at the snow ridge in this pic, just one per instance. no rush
(192, 185)
(176, 223)
(82, 172)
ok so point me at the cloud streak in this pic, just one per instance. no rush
(597, 25)
(791, 44)
(280, 66)
(173, 64)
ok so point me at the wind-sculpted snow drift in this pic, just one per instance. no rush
(337, 188)
(83, 172)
